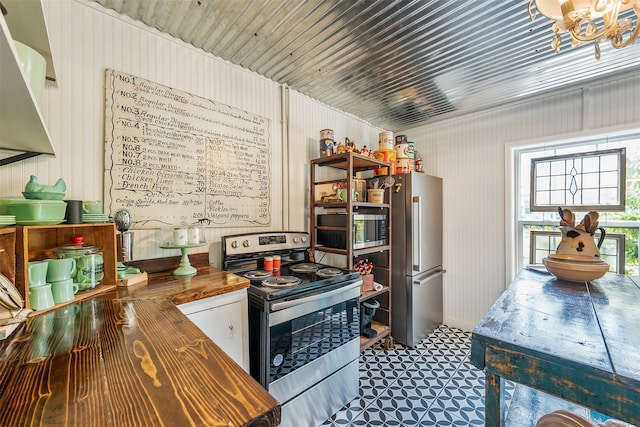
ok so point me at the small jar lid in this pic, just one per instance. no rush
(77, 240)
(76, 248)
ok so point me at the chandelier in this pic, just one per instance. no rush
(589, 21)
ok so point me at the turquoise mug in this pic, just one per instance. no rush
(92, 207)
(61, 269)
(41, 297)
(64, 290)
(38, 273)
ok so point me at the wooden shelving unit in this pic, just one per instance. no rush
(8, 253)
(34, 243)
(348, 166)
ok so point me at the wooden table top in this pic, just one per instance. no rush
(576, 340)
(129, 362)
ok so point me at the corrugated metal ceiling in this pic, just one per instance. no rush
(396, 64)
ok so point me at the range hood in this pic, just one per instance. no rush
(22, 126)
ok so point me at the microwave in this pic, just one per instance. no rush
(368, 230)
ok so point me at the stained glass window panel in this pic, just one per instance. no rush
(584, 181)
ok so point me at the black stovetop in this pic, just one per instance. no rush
(309, 281)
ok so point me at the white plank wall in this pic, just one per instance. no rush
(469, 153)
(86, 39)
(307, 118)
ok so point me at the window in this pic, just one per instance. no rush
(584, 181)
(544, 242)
(537, 229)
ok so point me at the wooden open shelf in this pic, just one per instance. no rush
(365, 295)
(8, 253)
(384, 333)
(35, 242)
(82, 295)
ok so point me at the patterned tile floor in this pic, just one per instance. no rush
(433, 384)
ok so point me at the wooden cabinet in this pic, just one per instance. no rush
(34, 242)
(223, 319)
(8, 253)
(344, 170)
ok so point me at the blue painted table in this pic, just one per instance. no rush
(577, 341)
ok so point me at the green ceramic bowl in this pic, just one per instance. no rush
(4, 204)
(37, 212)
(34, 67)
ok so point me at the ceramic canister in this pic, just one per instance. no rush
(402, 165)
(385, 140)
(402, 150)
(388, 156)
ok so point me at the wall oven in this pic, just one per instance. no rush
(304, 339)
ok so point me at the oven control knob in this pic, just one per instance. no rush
(296, 240)
(246, 243)
(304, 239)
(235, 244)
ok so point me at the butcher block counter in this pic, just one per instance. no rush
(129, 358)
(208, 282)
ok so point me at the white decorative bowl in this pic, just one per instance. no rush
(574, 258)
(576, 271)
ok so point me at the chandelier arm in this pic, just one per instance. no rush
(611, 18)
(576, 34)
(634, 34)
(532, 11)
(573, 21)
(630, 40)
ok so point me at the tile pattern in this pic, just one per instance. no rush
(433, 384)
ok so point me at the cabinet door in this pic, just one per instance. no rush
(224, 320)
(223, 325)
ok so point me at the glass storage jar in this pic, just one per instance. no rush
(89, 262)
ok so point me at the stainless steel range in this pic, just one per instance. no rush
(304, 339)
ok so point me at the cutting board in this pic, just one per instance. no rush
(133, 279)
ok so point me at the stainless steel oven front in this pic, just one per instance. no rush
(308, 348)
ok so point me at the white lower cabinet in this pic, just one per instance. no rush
(223, 318)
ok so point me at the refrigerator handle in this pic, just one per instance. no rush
(429, 277)
(417, 233)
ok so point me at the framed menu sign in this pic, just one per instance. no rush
(172, 157)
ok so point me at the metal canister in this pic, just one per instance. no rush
(400, 139)
(385, 140)
(326, 147)
(411, 151)
(327, 134)
(418, 163)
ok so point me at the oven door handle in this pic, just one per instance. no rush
(286, 304)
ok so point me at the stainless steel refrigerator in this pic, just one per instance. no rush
(416, 253)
